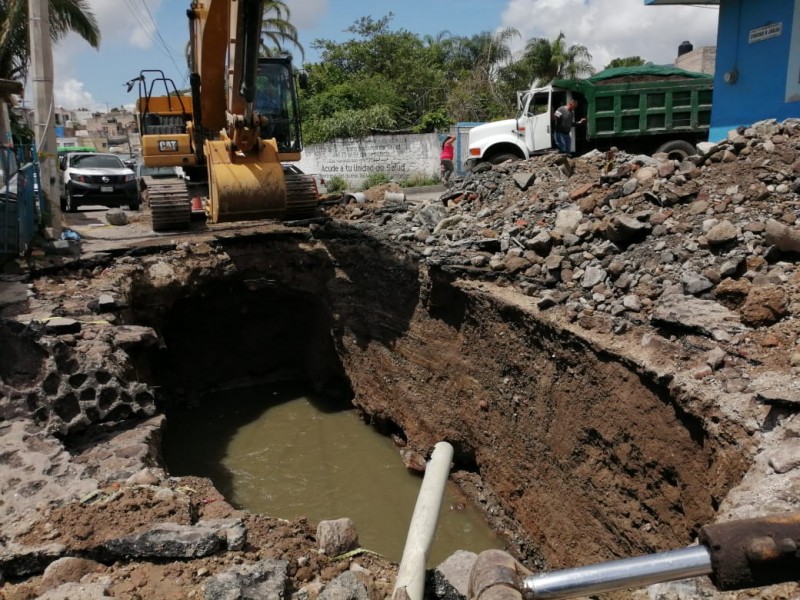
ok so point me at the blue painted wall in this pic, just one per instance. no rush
(768, 82)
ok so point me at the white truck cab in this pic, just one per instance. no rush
(519, 138)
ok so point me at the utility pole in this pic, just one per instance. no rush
(42, 68)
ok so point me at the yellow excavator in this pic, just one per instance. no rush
(233, 134)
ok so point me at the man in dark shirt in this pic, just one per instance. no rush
(563, 120)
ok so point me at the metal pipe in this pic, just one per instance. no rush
(410, 581)
(620, 574)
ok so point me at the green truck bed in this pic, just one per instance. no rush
(632, 101)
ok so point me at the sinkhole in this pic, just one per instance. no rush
(572, 451)
(258, 402)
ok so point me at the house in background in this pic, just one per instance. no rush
(757, 74)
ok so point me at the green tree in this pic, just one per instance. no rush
(628, 61)
(544, 60)
(278, 30)
(380, 80)
(479, 93)
(65, 16)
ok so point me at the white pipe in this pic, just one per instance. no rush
(410, 581)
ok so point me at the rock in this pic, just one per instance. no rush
(143, 477)
(540, 243)
(643, 175)
(412, 460)
(346, 586)
(777, 388)
(523, 180)
(77, 591)
(722, 233)
(694, 314)
(232, 529)
(787, 457)
(67, 570)
(62, 325)
(592, 276)
(337, 536)
(106, 303)
(632, 302)
(130, 336)
(765, 305)
(515, 264)
(430, 215)
(716, 358)
(781, 236)
(168, 541)
(624, 229)
(694, 284)
(266, 579)
(567, 220)
(451, 577)
(116, 216)
(581, 191)
(630, 186)
(732, 293)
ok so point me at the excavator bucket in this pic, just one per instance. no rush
(244, 187)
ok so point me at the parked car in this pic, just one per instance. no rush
(319, 179)
(96, 178)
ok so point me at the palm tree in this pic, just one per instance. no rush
(277, 30)
(544, 61)
(65, 16)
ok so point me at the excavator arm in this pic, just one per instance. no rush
(242, 123)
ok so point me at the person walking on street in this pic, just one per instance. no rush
(446, 158)
(563, 121)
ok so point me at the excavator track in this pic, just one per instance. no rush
(302, 197)
(170, 205)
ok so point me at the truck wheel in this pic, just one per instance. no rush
(677, 149)
(501, 158)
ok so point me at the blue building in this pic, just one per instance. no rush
(757, 72)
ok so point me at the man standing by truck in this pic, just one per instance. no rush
(563, 120)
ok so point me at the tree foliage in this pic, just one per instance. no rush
(277, 30)
(65, 16)
(384, 79)
(628, 61)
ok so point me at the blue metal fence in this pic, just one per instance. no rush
(19, 192)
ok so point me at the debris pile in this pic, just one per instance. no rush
(708, 243)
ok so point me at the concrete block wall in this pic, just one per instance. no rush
(401, 157)
(699, 60)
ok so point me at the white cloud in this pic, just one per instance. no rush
(70, 94)
(615, 28)
(126, 20)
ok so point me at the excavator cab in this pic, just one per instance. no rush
(276, 100)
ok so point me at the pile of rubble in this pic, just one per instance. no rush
(707, 243)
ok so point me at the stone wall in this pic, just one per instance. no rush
(400, 157)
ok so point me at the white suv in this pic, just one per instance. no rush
(97, 178)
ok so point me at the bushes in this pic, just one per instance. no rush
(375, 179)
(336, 184)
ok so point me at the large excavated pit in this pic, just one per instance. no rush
(579, 449)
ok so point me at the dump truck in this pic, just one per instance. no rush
(234, 134)
(644, 109)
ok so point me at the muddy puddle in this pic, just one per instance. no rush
(285, 454)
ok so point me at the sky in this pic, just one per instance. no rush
(152, 34)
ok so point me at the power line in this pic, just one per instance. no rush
(150, 29)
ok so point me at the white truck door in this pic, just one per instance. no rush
(539, 116)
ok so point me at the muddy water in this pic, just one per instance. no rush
(287, 455)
